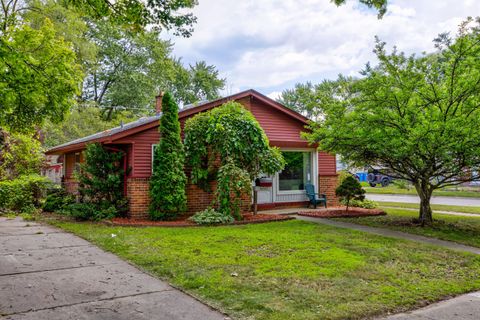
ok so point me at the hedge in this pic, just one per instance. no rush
(24, 193)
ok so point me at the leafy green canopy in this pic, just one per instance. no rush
(418, 117)
(308, 99)
(230, 138)
(138, 14)
(379, 5)
(129, 68)
(81, 122)
(39, 77)
(167, 184)
(20, 154)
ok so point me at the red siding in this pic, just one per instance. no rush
(141, 158)
(69, 164)
(281, 129)
(327, 164)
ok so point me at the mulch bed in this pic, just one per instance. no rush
(184, 222)
(339, 212)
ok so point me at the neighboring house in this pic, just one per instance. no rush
(53, 168)
(282, 126)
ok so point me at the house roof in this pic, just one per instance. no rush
(145, 123)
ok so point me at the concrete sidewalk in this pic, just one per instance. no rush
(464, 307)
(46, 273)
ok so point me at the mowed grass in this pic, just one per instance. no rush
(293, 269)
(445, 193)
(439, 207)
(461, 229)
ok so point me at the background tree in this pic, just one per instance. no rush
(350, 189)
(416, 117)
(81, 121)
(379, 5)
(227, 144)
(130, 67)
(308, 98)
(39, 76)
(138, 14)
(21, 154)
(167, 184)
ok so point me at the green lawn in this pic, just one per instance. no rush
(293, 269)
(440, 207)
(469, 193)
(460, 229)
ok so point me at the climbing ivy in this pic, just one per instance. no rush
(228, 144)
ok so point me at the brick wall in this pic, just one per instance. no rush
(327, 185)
(138, 198)
(70, 185)
(197, 199)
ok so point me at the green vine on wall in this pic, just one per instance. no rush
(228, 144)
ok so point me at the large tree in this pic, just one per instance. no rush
(130, 68)
(39, 76)
(379, 5)
(79, 122)
(308, 99)
(139, 14)
(416, 117)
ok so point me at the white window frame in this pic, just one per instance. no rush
(314, 169)
(152, 155)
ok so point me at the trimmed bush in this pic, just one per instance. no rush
(350, 189)
(89, 211)
(100, 185)
(210, 216)
(365, 203)
(57, 199)
(23, 194)
(167, 184)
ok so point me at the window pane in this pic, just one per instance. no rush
(297, 172)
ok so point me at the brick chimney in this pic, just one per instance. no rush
(158, 102)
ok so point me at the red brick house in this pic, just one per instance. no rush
(282, 126)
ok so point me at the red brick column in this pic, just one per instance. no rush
(327, 185)
(71, 186)
(138, 198)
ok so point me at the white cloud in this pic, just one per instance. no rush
(269, 44)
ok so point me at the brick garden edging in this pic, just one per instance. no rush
(339, 212)
(183, 222)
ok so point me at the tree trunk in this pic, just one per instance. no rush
(425, 193)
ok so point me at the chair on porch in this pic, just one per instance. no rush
(315, 198)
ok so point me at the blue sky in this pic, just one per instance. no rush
(269, 45)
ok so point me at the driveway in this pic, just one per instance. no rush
(456, 201)
(46, 273)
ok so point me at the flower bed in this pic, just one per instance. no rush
(184, 222)
(339, 212)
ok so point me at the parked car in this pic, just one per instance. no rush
(375, 177)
